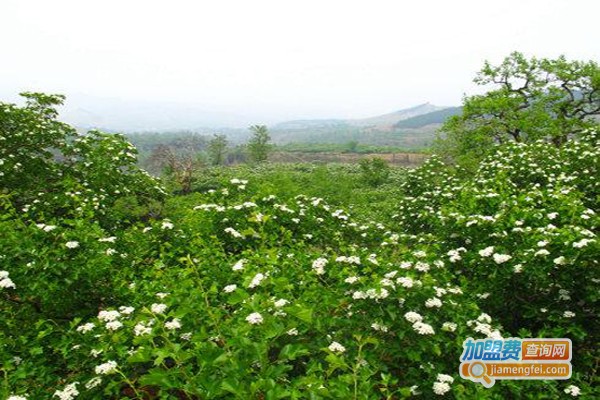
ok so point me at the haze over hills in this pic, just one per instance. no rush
(384, 121)
(412, 127)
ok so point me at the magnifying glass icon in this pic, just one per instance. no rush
(478, 371)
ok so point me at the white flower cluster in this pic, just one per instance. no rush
(348, 260)
(281, 303)
(158, 308)
(335, 347)
(230, 288)
(254, 318)
(371, 294)
(16, 397)
(85, 327)
(258, 278)
(175, 323)
(405, 282)
(238, 266)
(319, 265)
(433, 302)
(109, 367)
(418, 325)
(573, 390)
(68, 393)
(46, 228)
(442, 386)
(142, 328)
(166, 224)
(92, 383)
(501, 258)
(110, 317)
(488, 251)
(422, 266)
(454, 255)
(5, 281)
(233, 232)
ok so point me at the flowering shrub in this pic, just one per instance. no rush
(243, 290)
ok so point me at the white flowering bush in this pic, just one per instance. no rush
(247, 288)
(49, 170)
(521, 234)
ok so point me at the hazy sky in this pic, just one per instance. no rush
(281, 59)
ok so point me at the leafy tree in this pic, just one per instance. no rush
(216, 149)
(259, 146)
(49, 170)
(375, 171)
(530, 99)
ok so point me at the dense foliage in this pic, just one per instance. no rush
(527, 100)
(271, 282)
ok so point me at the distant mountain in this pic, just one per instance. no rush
(385, 121)
(413, 127)
(389, 120)
(435, 117)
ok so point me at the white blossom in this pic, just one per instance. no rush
(92, 383)
(72, 244)
(5, 281)
(405, 282)
(158, 308)
(233, 232)
(423, 329)
(445, 378)
(125, 310)
(573, 390)
(142, 328)
(560, 260)
(518, 268)
(229, 288)
(175, 323)
(107, 368)
(335, 347)
(108, 316)
(256, 280)
(412, 317)
(440, 388)
(433, 302)
(281, 303)
(488, 251)
(68, 393)
(501, 258)
(254, 318)
(85, 327)
(238, 266)
(319, 265)
(114, 325)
